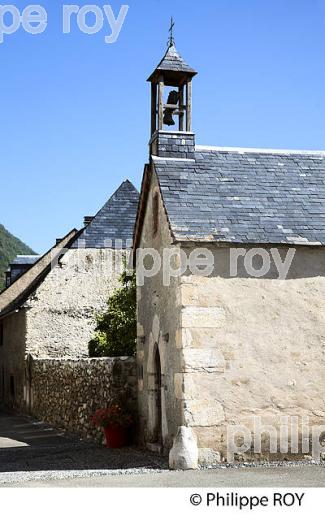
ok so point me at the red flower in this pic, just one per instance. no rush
(113, 415)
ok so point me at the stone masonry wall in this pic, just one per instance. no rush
(252, 347)
(61, 314)
(12, 353)
(66, 393)
(158, 320)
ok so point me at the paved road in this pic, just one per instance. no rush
(291, 476)
(26, 432)
(32, 454)
(29, 445)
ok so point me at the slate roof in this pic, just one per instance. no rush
(25, 260)
(113, 225)
(172, 61)
(245, 196)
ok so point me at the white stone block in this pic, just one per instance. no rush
(203, 412)
(203, 360)
(202, 316)
(184, 453)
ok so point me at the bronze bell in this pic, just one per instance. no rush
(168, 113)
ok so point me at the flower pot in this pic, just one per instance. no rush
(116, 436)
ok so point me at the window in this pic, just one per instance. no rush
(1, 333)
(155, 213)
(8, 279)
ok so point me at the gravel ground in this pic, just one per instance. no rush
(263, 475)
(21, 477)
(149, 470)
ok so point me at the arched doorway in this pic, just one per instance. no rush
(156, 399)
(157, 393)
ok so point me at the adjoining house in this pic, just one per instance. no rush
(238, 336)
(50, 310)
(18, 266)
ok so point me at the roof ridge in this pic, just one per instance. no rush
(26, 256)
(110, 199)
(113, 222)
(203, 148)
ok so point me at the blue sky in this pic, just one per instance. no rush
(74, 120)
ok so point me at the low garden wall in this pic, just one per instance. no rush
(66, 392)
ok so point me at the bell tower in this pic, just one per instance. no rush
(171, 105)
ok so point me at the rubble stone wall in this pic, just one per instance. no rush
(66, 392)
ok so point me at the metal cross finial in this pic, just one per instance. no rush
(171, 40)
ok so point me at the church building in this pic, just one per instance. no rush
(235, 332)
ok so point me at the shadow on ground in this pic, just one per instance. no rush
(30, 445)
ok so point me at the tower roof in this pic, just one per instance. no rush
(113, 225)
(173, 64)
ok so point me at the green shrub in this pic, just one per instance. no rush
(116, 327)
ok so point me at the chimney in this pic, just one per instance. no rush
(87, 220)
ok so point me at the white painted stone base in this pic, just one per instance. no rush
(184, 453)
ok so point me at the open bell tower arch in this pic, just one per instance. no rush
(171, 113)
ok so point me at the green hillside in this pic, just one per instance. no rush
(10, 247)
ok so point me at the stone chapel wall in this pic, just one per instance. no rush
(158, 321)
(252, 347)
